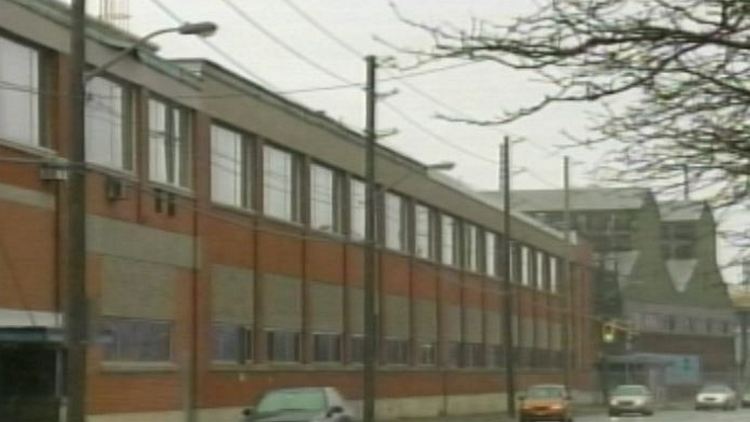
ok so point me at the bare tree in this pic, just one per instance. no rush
(672, 78)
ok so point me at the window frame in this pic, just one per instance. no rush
(246, 344)
(294, 190)
(427, 236)
(453, 247)
(356, 213)
(113, 339)
(401, 241)
(336, 200)
(183, 155)
(247, 152)
(337, 339)
(129, 110)
(296, 340)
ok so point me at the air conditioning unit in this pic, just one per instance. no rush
(116, 189)
(53, 172)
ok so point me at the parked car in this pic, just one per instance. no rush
(309, 404)
(631, 399)
(716, 396)
(546, 402)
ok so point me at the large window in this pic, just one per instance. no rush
(424, 232)
(280, 184)
(396, 351)
(169, 144)
(356, 348)
(137, 340)
(448, 240)
(395, 222)
(283, 346)
(473, 355)
(231, 168)
(525, 265)
(357, 209)
(471, 247)
(553, 274)
(325, 199)
(232, 343)
(490, 254)
(540, 270)
(108, 124)
(326, 347)
(19, 93)
(427, 354)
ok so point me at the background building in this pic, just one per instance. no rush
(673, 299)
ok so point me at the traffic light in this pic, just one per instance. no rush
(608, 332)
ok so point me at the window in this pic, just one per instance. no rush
(169, 144)
(671, 323)
(357, 348)
(396, 234)
(326, 348)
(553, 274)
(427, 354)
(540, 270)
(108, 124)
(137, 340)
(325, 199)
(525, 266)
(497, 359)
(232, 343)
(490, 254)
(231, 168)
(396, 351)
(357, 207)
(473, 355)
(471, 250)
(280, 184)
(283, 346)
(424, 232)
(19, 93)
(453, 354)
(448, 240)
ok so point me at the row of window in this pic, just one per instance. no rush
(684, 324)
(336, 201)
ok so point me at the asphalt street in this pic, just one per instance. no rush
(675, 416)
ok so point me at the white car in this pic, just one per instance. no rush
(717, 396)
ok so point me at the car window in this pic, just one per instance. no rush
(302, 400)
(625, 390)
(545, 393)
(715, 389)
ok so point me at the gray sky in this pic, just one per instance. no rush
(477, 90)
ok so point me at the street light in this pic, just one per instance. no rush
(76, 313)
(201, 29)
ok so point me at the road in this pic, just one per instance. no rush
(675, 416)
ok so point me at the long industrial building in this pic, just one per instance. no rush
(225, 228)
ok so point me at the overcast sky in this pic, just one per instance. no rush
(253, 47)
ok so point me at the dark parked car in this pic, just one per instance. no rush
(309, 404)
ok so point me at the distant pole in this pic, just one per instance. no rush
(510, 382)
(75, 289)
(568, 287)
(370, 341)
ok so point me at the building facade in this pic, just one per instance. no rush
(670, 291)
(224, 245)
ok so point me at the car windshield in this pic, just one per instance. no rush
(715, 389)
(301, 400)
(547, 392)
(629, 390)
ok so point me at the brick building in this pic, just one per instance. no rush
(224, 230)
(669, 285)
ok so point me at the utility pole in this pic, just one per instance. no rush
(370, 316)
(568, 287)
(510, 381)
(76, 315)
(743, 351)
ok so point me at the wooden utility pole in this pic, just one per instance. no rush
(510, 381)
(76, 315)
(370, 316)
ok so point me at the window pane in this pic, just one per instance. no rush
(137, 340)
(448, 228)
(470, 248)
(357, 207)
(107, 123)
(395, 223)
(323, 199)
(423, 232)
(279, 184)
(490, 254)
(19, 98)
(227, 343)
(356, 349)
(525, 264)
(540, 270)
(283, 346)
(327, 348)
(168, 144)
(227, 162)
